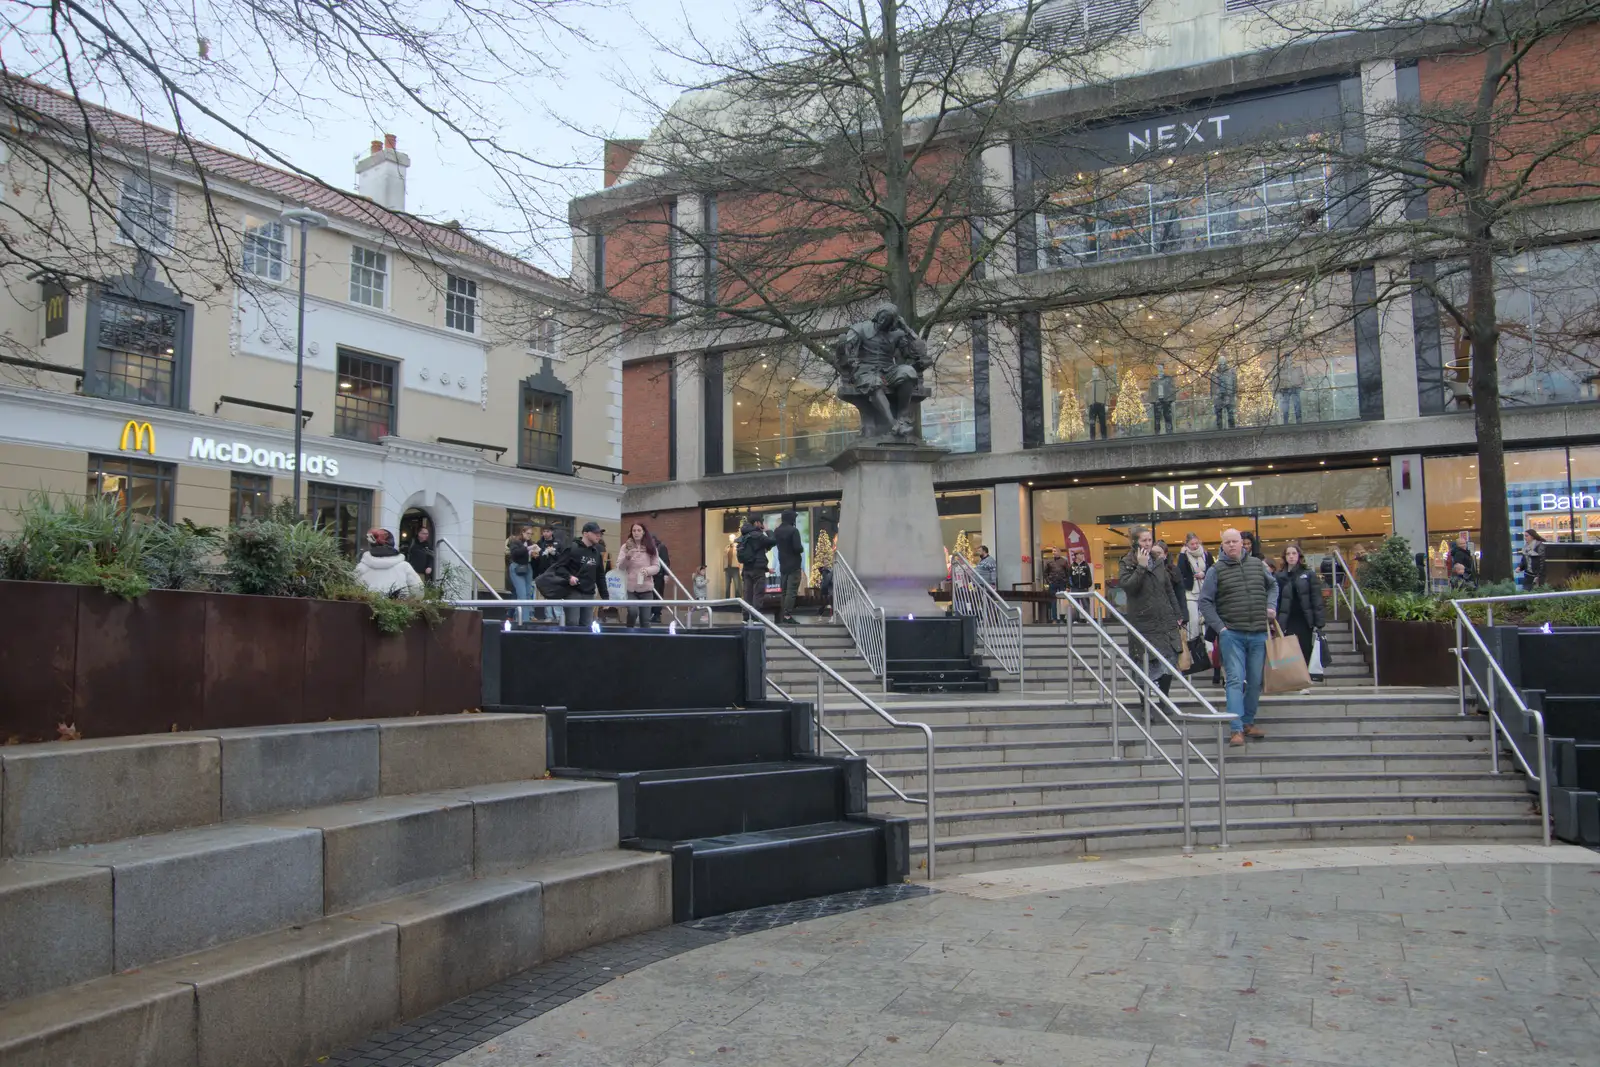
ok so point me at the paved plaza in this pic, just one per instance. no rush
(1415, 956)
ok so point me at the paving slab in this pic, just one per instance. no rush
(1169, 962)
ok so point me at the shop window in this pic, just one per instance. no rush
(139, 487)
(364, 401)
(1205, 360)
(249, 497)
(1351, 508)
(545, 414)
(138, 353)
(344, 511)
(782, 409)
(1546, 303)
(1182, 204)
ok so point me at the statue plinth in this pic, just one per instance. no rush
(889, 523)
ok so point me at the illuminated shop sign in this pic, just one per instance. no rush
(244, 454)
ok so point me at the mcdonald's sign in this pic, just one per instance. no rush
(143, 435)
(55, 309)
(544, 498)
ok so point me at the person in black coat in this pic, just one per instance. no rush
(791, 562)
(1299, 599)
(419, 553)
(660, 580)
(578, 573)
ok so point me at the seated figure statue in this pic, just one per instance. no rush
(880, 364)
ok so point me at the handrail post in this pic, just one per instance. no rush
(1116, 748)
(820, 706)
(931, 832)
(1222, 788)
(1183, 755)
(1461, 665)
(1072, 671)
(1372, 640)
(1022, 655)
(1544, 781)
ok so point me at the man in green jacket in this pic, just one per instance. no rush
(1239, 600)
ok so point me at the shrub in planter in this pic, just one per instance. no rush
(82, 541)
(1391, 569)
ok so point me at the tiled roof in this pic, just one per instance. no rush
(66, 113)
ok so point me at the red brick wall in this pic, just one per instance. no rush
(1553, 94)
(646, 421)
(681, 530)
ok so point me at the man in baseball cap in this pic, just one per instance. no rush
(578, 573)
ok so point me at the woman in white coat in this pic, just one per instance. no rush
(384, 570)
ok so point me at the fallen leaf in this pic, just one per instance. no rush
(1247, 863)
(892, 1039)
(582, 1036)
(67, 731)
(1003, 1014)
(1259, 1042)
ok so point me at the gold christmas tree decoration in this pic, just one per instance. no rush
(821, 556)
(1128, 411)
(1069, 420)
(1255, 400)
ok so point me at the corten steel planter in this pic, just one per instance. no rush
(1416, 653)
(76, 656)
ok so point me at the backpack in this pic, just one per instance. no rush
(750, 553)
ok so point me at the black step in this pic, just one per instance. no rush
(982, 685)
(705, 802)
(662, 740)
(931, 677)
(732, 872)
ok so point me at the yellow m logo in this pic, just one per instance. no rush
(544, 498)
(144, 436)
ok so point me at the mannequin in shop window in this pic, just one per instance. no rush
(1224, 391)
(1163, 392)
(1291, 379)
(1099, 398)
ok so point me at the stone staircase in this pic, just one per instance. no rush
(1033, 775)
(264, 896)
(1046, 660)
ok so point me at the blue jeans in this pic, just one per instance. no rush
(522, 586)
(1243, 656)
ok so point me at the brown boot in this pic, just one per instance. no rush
(1254, 731)
(1236, 740)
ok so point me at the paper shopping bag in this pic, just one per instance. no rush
(1185, 660)
(1285, 669)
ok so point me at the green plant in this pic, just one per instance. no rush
(1391, 569)
(89, 541)
(271, 557)
(1412, 607)
(181, 556)
(393, 614)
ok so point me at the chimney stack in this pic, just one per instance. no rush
(382, 175)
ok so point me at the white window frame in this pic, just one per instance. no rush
(546, 338)
(132, 230)
(378, 267)
(258, 252)
(463, 303)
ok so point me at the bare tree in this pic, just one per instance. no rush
(835, 155)
(1491, 156)
(230, 69)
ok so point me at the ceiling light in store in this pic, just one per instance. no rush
(1322, 463)
(1074, 479)
(344, 385)
(1269, 466)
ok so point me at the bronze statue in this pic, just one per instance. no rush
(880, 364)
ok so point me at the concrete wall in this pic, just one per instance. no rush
(26, 469)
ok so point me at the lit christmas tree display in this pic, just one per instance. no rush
(1256, 404)
(963, 547)
(821, 556)
(1069, 419)
(1128, 405)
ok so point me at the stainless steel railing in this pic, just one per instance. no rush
(861, 617)
(687, 595)
(823, 671)
(1359, 607)
(1498, 683)
(999, 624)
(1154, 703)
(465, 562)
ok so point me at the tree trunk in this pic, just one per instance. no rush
(896, 174)
(1494, 509)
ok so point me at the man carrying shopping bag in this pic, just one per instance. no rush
(1238, 600)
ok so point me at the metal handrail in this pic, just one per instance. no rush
(836, 739)
(1124, 665)
(687, 595)
(1463, 675)
(1351, 596)
(445, 541)
(755, 615)
(999, 623)
(864, 620)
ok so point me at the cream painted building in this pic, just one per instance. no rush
(148, 349)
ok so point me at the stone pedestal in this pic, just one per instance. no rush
(889, 523)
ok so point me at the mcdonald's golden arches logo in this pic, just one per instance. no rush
(143, 434)
(544, 498)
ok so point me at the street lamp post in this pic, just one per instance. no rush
(307, 220)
